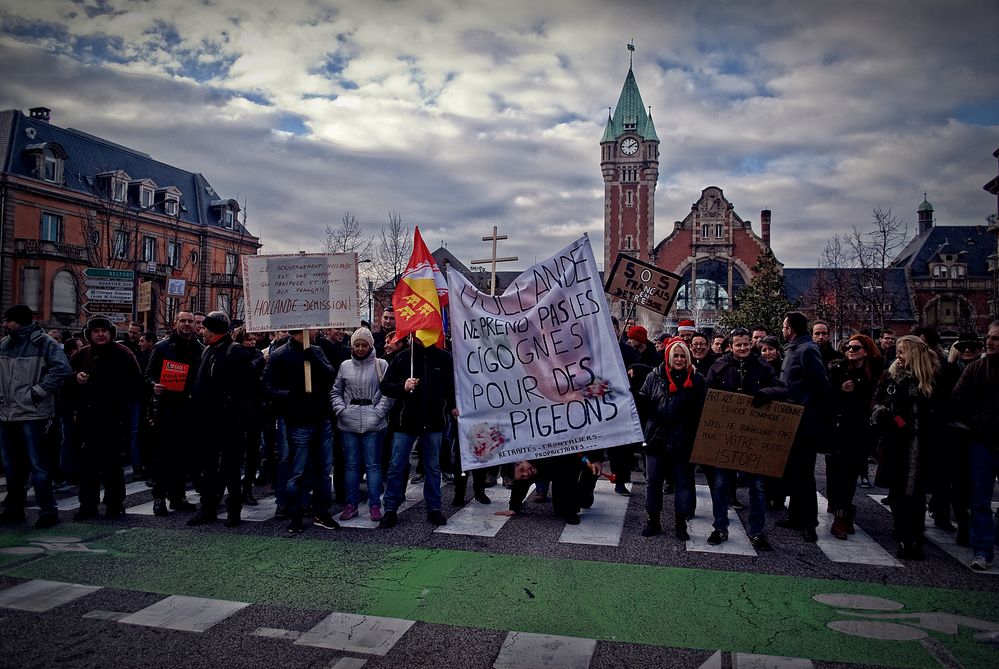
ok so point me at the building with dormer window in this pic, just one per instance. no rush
(72, 201)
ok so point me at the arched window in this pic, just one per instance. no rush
(64, 294)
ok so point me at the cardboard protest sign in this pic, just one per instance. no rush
(173, 376)
(300, 291)
(736, 435)
(538, 371)
(638, 282)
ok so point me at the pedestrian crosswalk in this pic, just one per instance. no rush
(348, 635)
(604, 524)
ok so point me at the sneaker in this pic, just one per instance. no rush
(436, 518)
(981, 563)
(622, 489)
(85, 513)
(376, 513)
(183, 505)
(325, 520)
(760, 542)
(571, 519)
(717, 537)
(295, 527)
(350, 511)
(159, 507)
(417, 479)
(46, 521)
(389, 520)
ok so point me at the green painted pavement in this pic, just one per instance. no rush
(689, 608)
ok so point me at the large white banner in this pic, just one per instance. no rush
(538, 371)
(304, 290)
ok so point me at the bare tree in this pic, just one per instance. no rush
(393, 248)
(345, 237)
(872, 253)
(832, 293)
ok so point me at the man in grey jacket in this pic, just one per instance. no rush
(32, 368)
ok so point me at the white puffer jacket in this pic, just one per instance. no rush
(357, 401)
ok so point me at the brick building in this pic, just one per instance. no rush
(71, 201)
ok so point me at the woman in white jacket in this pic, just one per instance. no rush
(362, 417)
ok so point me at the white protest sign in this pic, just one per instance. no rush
(296, 292)
(538, 370)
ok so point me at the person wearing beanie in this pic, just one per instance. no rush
(223, 398)
(638, 338)
(739, 371)
(105, 381)
(672, 398)
(361, 412)
(33, 367)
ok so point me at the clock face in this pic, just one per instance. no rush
(629, 147)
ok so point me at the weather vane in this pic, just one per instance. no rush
(631, 56)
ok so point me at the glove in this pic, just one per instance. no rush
(761, 399)
(309, 354)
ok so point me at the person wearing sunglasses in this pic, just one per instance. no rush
(853, 381)
(965, 350)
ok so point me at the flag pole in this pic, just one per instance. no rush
(412, 352)
(306, 345)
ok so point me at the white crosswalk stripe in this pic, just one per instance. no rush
(522, 650)
(73, 503)
(858, 548)
(188, 614)
(701, 525)
(480, 520)
(601, 524)
(414, 495)
(355, 633)
(40, 595)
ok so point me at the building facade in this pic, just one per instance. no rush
(72, 203)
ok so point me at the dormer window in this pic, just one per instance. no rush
(49, 159)
(145, 197)
(142, 193)
(631, 122)
(170, 199)
(227, 210)
(114, 185)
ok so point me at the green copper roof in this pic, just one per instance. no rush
(925, 206)
(630, 114)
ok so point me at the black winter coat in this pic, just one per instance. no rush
(751, 375)
(284, 383)
(176, 349)
(672, 418)
(426, 408)
(225, 381)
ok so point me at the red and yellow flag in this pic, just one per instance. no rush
(420, 297)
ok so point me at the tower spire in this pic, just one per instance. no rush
(631, 53)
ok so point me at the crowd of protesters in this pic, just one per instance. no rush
(225, 410)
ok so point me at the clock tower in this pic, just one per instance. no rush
(629, 160)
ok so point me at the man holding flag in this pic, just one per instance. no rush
(421, 380)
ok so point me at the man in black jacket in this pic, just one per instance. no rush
(740, 371)
(106, 380)
(309, 428)
(807, 384)
(173, 364)
(221, 395)
(425, 398)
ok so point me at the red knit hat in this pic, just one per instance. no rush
(667, 353)
(639, 334)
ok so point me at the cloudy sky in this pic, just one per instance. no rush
(464, 114)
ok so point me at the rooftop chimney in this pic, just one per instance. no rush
(40, 113)
(765, 226)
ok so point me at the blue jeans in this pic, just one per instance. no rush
(310, 462)
(23, 443)
(368, 444)
(430, 449)
(719, 496)
(684, 499)
(281, 470)
(984, 468)
(757, 504)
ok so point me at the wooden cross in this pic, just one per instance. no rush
(492, 261)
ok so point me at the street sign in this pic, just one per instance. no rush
(100, 307)
(99, 273)
(114, 316)
(104, 295)
(121, 284)
(145, 296)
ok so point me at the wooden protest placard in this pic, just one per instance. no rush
(736, 435)
(173, 376)
(638, 282)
